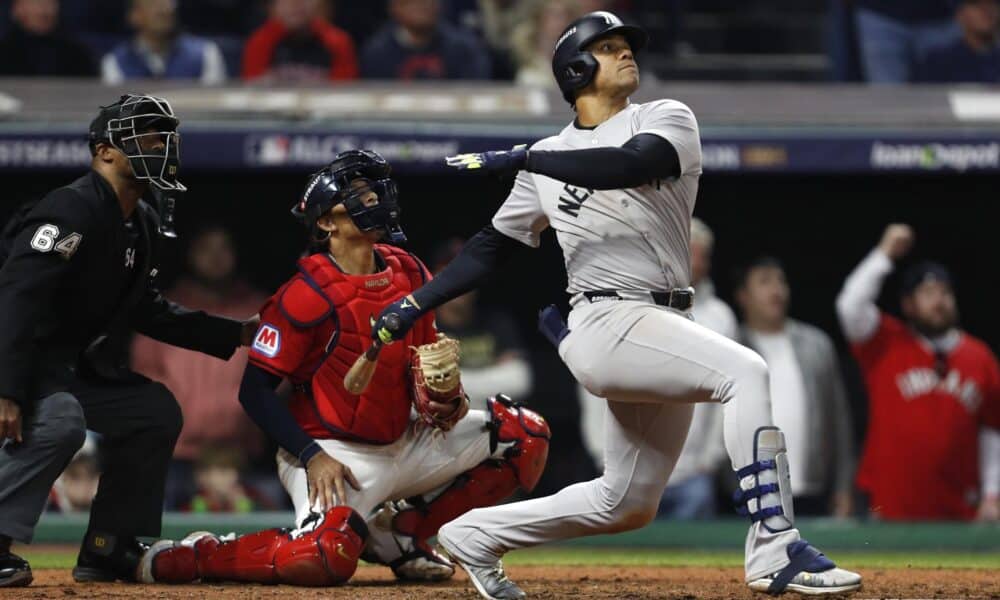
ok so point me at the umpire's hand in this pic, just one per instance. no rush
(10, 420)
(326, 476)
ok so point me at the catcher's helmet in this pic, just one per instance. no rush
(331, 185)
(573, 67)
(136, 117)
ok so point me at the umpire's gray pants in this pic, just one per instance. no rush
(52, 435)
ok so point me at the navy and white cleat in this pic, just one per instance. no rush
(810, 572)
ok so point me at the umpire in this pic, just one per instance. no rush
(76, 281)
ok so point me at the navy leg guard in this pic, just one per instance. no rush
(802, 557)
(765, 491)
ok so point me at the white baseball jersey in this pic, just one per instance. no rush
(630, 239)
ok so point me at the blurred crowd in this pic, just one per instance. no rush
(295, 41)
(931, 390)
(927, 41)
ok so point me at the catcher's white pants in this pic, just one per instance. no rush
(651, 363)
(421, 460)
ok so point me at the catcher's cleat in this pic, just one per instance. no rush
(409, 558)
(490, 581)
(810, 572)
(14, 571)
(416, 565)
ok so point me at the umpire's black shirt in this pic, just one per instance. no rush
(77, 281)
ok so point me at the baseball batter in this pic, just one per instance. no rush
(618, 186)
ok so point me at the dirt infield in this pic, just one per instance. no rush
(627, 583)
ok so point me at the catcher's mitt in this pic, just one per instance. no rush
(437, 386)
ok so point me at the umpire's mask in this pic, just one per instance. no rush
(135, 125)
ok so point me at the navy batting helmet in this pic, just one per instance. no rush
(332, 185)
(573, 67)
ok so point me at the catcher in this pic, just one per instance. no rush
(346, 460)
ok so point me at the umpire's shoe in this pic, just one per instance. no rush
(14, 570)
(106, 558)
(808, 572)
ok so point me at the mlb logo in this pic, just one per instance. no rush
(267, 341)
(268, 149)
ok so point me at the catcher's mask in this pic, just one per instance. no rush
(335, 184)
(132, 126)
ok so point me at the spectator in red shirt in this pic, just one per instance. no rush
(298, 43)
(933, 391)
(207, 389)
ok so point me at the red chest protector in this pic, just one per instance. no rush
(382, 413)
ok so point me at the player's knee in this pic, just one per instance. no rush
(748, 372)
(61, 420)
(623, 510)
(755, 367)
(633, 511)
(633, 518)
(166, 418)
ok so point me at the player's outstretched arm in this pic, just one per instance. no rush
(856, 308)
(645, 157)
(480, 256)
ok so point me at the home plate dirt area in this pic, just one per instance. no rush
(539, 581)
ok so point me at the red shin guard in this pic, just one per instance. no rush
(324, 553)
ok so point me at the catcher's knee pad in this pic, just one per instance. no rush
(324, 551)
(765, 492)
(526, 437)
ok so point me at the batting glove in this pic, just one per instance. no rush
(494, 162)
(389, 330)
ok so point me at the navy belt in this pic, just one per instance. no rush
(681, 299)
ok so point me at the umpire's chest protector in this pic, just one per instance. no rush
(324, 293)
